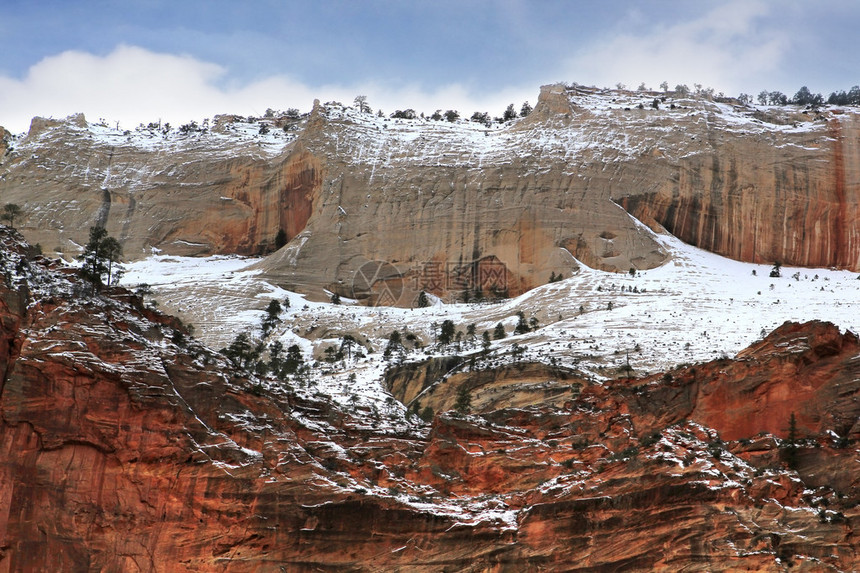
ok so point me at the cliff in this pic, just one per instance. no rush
(126, 445)
(455, 207)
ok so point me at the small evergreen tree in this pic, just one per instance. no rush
(276, 349)
(522, 326)
(100, 259)
(446, 333)
(482, 117)
(10, 212)
(113, 252)
(499, 331)
(426, 414)
(271, 318)
(470, 331)
(485, 341)
(143, 290)
(789, 445)
(347, 343)
(463, 405)
(776, 271)
(395, 344)
(335, 298)
(510, 113)
(423, 301)
(242, 353)
(525, 109)
(293, 361)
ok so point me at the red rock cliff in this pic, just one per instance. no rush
(125, 447)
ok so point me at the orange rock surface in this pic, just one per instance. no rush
(126, 447)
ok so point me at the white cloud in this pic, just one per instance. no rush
(728, 48)
(133, 85)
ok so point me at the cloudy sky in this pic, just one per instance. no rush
(142, 60)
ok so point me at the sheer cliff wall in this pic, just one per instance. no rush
(457, 206)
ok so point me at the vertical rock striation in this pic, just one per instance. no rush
(458, 208)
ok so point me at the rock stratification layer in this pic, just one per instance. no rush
(127, 446)
(461, 207)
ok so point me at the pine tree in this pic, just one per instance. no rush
(525, 109)
(499, 331)
(470, 331)
(446, 333)
(423, 301)
(293, 360)
(522, 326)
(10, 211)
(790, 444)
(485, 341)
(463, 405)
(271, 319)
(100, 259)
(241, 352)
(776, 271)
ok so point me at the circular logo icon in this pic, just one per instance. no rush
(377, 283)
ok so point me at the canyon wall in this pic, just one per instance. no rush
(456, 208)
(195, 194)
(126, 447)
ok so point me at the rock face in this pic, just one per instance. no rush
(780, 201)
(126, 446)
(435, 383)
(183, 193)
(457, 207)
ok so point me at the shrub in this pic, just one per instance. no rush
(499, 331)
(404, 114)
(482, 117)
(775, 272)
(423, 301)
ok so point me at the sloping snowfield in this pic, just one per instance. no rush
(695, 308)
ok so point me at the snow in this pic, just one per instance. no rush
(608, 124)
(694, 308)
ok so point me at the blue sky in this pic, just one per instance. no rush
(142, 60)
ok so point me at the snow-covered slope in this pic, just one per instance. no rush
(697, 307)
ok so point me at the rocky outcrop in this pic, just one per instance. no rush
(127, 446)
(435, 383)
(457, 208)
(793, 202)
(186, 193)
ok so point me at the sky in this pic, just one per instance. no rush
(133, 61)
